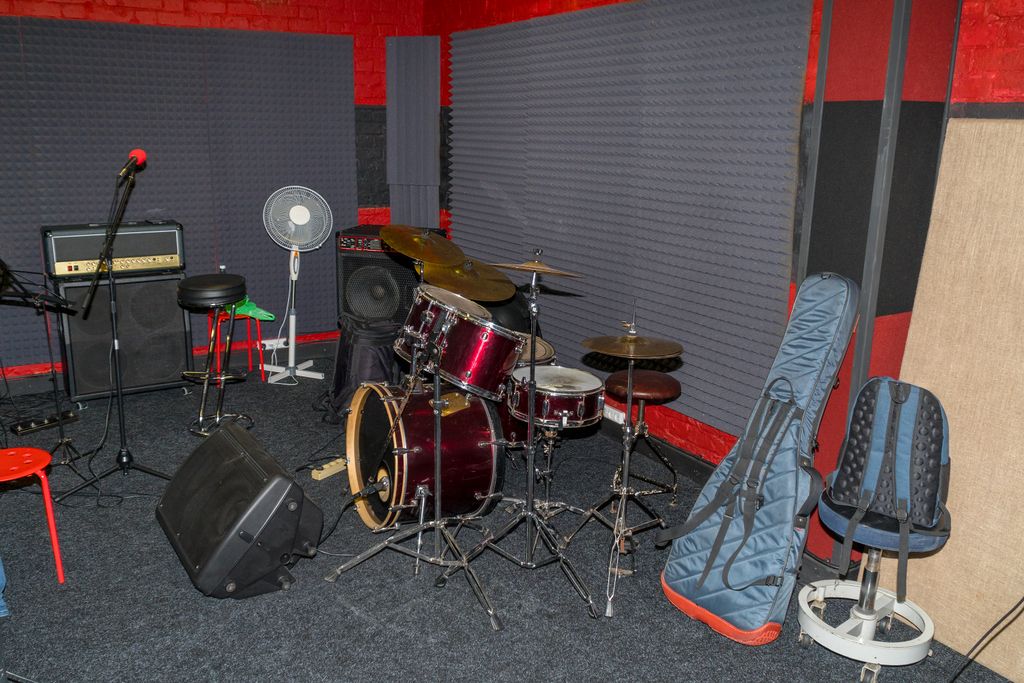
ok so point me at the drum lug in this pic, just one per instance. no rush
(405, 451)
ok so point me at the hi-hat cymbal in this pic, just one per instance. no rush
(421, 244)
(472, 279)
(634, 346)
(536, 266)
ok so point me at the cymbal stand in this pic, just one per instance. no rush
(439, 524)
(619, 498)
(537, 529)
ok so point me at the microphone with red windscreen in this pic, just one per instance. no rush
(136, 160)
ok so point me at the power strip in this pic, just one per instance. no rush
(37, 424)
(271, 344)
(329, 469)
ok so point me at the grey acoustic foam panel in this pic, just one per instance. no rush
(651, 146)
(225, 117)
(414, 129)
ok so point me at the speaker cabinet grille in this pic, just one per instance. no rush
(153, 331)
(374, 286)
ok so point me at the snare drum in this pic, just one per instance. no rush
(476, 354)
(381, 442)
(566, 397)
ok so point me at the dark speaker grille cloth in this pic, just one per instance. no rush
(211, 492)
(151, 328)
(375, 286)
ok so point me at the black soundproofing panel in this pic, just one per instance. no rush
(153, 332)
(652, 147)
(413, 129)
(371, 155)
(846, 169)
(226, 118)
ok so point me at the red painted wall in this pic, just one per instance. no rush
(859, 50)
(990, 54)
(370, 23)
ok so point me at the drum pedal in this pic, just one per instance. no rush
(328, 469)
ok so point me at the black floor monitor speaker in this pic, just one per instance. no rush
(236, 519)
(156, 344)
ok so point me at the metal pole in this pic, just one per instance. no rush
(814, 142)
(875, 246)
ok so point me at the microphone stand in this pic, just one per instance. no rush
(124, 462)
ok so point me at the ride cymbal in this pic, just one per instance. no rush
(421, 244)
(472, 279)
(634, 346)
(536, 266)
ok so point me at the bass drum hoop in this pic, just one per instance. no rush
(399, 439)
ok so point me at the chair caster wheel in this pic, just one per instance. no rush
(805, 641)
(869, 673)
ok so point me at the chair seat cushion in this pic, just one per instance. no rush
(879, 531)
(210, 291)
(648, 385)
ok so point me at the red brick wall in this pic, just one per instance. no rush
(990, 54)
(368, 22)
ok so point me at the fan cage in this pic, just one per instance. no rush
(284, 232)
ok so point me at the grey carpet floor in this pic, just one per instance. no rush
(128, 611)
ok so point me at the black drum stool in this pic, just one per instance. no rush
(649, 386)
(217, 293)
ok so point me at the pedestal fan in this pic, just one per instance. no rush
(298, 219)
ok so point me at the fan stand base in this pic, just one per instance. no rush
(281, 372)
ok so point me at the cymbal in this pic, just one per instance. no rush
(634, 346)
(536, 266)
(421, 244)
(472, 279)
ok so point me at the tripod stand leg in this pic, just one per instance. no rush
(570, 572)
(473, 580)
(484, 544)
(391, 540)
(592, 513)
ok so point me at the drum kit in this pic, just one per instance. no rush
(471, 384)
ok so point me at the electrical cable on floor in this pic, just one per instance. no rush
(978, 647)
(311, 460)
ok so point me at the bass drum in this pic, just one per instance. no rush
(382, 441)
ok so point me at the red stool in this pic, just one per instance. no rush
(224, 317)
(16, 463)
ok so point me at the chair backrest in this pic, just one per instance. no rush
(896, 453)
(893, 472)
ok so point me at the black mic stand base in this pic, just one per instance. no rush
(124, 463)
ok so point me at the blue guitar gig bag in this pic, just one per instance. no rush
(733, 563)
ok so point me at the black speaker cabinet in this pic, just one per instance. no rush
(375, 283)
(236, 519)
(154, 335)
